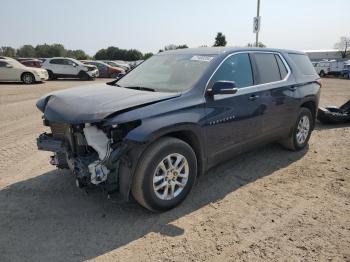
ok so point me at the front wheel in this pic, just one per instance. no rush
(165, 174)
(301, 131)
(28, 78)
(84, 76)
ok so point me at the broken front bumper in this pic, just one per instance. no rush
(47, 142)
(88, 168)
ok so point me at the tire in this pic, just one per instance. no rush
(51, 75)
(322, 74)
(28, 78)
(148, 174)
(293, 142)
(84, 76)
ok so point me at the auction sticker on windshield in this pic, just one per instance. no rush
(201, 58)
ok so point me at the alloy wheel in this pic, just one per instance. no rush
(170, 176)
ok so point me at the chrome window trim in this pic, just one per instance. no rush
(249, 89)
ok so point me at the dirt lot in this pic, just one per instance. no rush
(269, 204)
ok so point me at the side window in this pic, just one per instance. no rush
(303, 63)
(236, 68)
(281, 66)
(56, 61)
(268, 68)
(68, 62)
(3, 64)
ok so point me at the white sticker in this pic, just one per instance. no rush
(201, 58)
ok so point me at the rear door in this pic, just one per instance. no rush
(276, 89)
(233, 121)
(57, 66)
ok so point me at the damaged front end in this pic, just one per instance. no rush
(91, 151)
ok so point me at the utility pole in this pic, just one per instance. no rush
(258, 18)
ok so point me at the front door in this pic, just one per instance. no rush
(8, 72)
(70, 68)
(233, 121)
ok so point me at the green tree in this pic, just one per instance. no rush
(46, 50)
(7, 51)
(26, 51)
(220, 40)
(101, 54)
(174, 47)
(182, 46)
(77, 54)
(115, 53)
(147, 55)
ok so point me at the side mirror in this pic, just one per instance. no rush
(223, 88)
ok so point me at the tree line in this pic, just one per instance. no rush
(44, 50)
(110, 53)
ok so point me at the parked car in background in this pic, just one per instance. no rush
(12, 70)
(106, 70)
(32, 63)
(332, 68)
(65, 67)
(178, 114)
(123, 65)
(134, 64)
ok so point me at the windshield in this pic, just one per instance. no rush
(167, 73)
(76, 61)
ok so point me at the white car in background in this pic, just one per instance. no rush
(12, 70)
(65, 67)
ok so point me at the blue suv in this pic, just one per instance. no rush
(152, 132)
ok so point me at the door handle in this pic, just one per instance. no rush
(253, 97)
(292, 88)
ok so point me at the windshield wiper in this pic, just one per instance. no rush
(142, 88)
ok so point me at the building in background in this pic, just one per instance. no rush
(318, 55)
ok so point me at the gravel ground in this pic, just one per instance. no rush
(269, 204)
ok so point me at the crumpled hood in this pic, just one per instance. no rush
(88, 104)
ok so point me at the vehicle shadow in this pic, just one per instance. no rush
(47, 218)
(20, 83)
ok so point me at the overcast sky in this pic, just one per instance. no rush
(149, 25)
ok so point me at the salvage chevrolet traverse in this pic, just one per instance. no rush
(152, 132)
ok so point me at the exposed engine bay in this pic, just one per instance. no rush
(92, 152)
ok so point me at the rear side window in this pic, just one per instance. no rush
(236, 68)
(268, 68)
(303, 63)
(56, 61)
(282, 67)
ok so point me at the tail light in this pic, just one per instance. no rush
(319, 82)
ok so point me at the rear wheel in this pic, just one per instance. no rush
(322, 73)
(28, 78)
(165, 174)
(51, 75)
(301, 131)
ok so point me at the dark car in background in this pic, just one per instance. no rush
(32, 63)
(178, 114)
(106, 70)
(119, 64)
